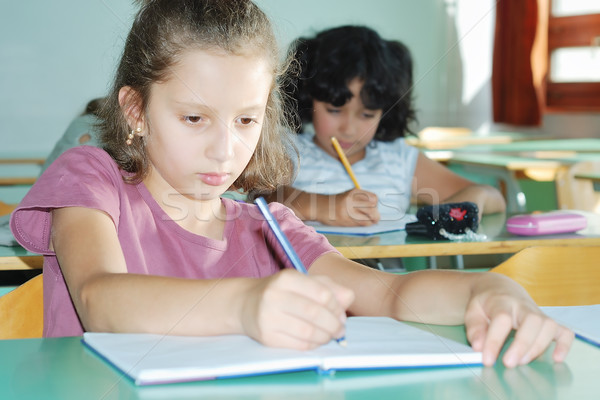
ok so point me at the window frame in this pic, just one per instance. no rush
(571, 31)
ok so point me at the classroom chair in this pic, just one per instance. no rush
(555, 275)
(575, 193)
(22, 311)
(5, 208)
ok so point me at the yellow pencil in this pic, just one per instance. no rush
(344, 160)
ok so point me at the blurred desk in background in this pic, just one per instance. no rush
(454, 138)
(557, 162)
(498, 241)
(17, 258)
(19, 170)
(537, 145)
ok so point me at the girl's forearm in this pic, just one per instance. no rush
(438, 297)
(441, 297)
(162, 305)
(306, 205)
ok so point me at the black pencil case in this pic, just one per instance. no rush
(445, 221)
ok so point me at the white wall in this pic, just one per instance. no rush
(419, 24)
(56, 55)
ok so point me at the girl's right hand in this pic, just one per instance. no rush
(356, 207)
(293, 310)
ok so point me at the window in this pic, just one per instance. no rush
(573, 75)
(546, 58)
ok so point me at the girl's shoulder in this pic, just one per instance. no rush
(395, 156)
(88, 168)
(395, 148)
(83, 159)
(83, 176)
(311, 155)
(84, 152)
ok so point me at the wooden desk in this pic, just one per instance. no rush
(455, 138)
(15, 258)
(64, 369)
(499, 241)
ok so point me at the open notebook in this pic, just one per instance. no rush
(373, 343)
(383, 226)
(583, 320)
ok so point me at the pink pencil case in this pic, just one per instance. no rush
(546, 223)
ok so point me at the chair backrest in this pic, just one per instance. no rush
(22, 311)
(6, 208)
(555, 275)
(573, 193)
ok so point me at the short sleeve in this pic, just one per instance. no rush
(308, 244)
(83, 176)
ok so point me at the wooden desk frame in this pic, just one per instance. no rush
(452, 248)
(399, 244)
(21, 262)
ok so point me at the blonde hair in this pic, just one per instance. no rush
(161, 32)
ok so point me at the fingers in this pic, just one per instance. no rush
(534, 334)
(476, 324)
(564, 338)
(366, 217)
(343, 295)
(300, 311)
(498, 330)
(530, 340)
(359, 207)
(304, 331)
(318, 311)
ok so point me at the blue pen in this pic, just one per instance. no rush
(285, 243)
(281, 238)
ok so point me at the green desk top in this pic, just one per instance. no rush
(65, 369)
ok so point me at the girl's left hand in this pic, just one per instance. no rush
(490, 318)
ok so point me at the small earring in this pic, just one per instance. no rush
(129, 139)
(132, 135)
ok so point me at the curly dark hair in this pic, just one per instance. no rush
(334, 57)
(161, 32)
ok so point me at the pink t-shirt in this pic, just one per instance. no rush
(152, 243)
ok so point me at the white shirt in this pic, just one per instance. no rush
(387, 170)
